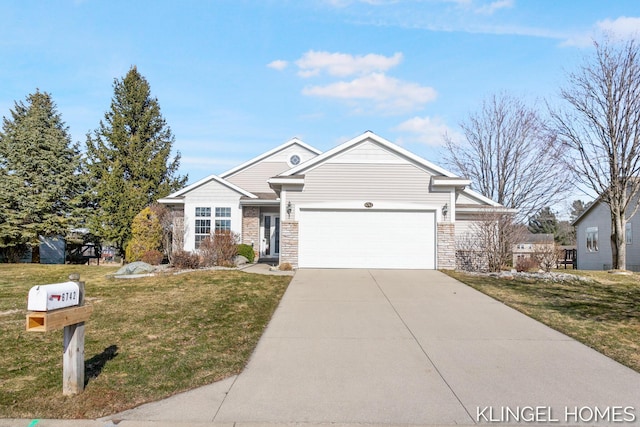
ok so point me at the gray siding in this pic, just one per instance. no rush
(211, 191)
(254, 178)
(367, 182)
(599, 216)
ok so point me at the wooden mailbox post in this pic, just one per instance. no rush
(58, 306)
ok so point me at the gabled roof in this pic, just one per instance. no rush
(178, 195)
(368, 135)
(292, 141)
(584, 213)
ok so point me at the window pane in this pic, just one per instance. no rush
(592, 239)
(223, 225)
(628, 234)
(223, 212)
(203, 226)
(203, 212)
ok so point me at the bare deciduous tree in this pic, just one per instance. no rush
(488, 244)
(510, 155)
(600, 128)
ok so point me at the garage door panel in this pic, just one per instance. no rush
(366, 239)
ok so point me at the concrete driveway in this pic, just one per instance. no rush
(415, 347)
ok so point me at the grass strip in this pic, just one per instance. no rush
(603, 312)
(147, 339)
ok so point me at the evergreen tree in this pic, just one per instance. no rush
(40, 181)
(577, 208)
(544, 222)
(129, 159)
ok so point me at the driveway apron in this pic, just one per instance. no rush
(416, 347)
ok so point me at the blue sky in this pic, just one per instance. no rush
(236, 78)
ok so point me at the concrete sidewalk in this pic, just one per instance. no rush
(406, 347)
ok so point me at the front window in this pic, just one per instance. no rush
(202, 228)
(592, 239)
(223, 219)
(628, 234)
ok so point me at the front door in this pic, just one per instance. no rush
(270, 236)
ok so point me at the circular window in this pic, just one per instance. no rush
(294, 160)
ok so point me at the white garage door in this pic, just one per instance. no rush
(366, 239)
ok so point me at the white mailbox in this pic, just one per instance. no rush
(53, 297)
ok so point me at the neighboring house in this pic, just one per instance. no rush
(532, 245)
(593, 239)
(366, 203)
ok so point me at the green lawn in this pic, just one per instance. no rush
(147, 338)
(603, 313)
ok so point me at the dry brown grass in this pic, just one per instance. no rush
(147, 338)
(603, 313)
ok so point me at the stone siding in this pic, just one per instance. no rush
(446, 246)
(251, 227)
(289, 242)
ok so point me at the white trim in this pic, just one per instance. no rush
(361, 138)
(278, 180)
(482, 198)
(205, 181)
(293, 141)
(377, 206)
(457, 182)
(167, 201)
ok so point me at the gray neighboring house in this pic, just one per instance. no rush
(593, 239)
(367, 203)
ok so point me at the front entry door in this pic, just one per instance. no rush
(270, 239)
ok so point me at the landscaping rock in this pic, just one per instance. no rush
(240, 260)
(137, 267)
(540, 276)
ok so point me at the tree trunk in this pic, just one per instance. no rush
(618, 247)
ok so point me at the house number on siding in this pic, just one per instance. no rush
(368, 205)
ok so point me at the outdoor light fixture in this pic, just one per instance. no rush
(445, 209)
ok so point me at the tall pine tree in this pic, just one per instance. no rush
(40, 181)
(129, 159)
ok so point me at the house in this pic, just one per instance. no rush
(534, 246)
(367, 203)
(593, 239)
(531, 244)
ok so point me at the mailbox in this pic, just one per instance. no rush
(53, 297)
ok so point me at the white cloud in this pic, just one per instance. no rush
(427, 130)
(624, 26)
(314, 63)
(389, 94)
(278, 64)
(489, 9)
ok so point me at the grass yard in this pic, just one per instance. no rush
(147, 338)
(603, 313)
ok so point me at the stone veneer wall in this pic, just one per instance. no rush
(251, 227)
(289, 242)
(446, 246)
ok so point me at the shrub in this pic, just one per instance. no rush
(146, 235)
(153, 257)
(184, 259)
(246, 251)
(207, 252)
(285, 266)
(219, 249)
(527, 264)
